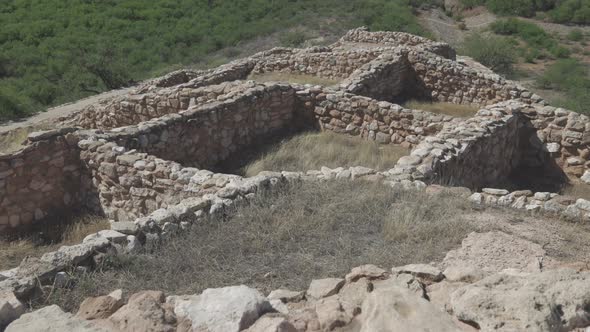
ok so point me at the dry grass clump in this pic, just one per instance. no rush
(293, 78)
(577, 190)
(456, 110)
(13, 140)
(287, 238)
(12, 252)
(312, 150)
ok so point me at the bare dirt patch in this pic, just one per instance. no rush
(312, 150)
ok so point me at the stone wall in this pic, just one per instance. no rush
(204, 135)
(376, 120)
(393, 38)
(316, 61)
(385, 78)
(445, 80)
(135, 108)
(563, 134)
(39, 182)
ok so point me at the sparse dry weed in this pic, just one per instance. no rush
(287, 238)
(312, 150)
(12, 252)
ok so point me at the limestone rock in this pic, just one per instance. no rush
(331, 314)
(225, 309)
(99, 307)
(270, 323)
(145, 311)
(365, 271)
(554, 300)
(10, 308)
(52, 319)
(494, 252)
(286, 295)
(324, 287)
(424, 272)
(397, 309)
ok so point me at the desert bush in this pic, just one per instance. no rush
(495, 52)
(293, 38)
(91, 46)
(512, 7)
(571, 77)
(535, 37)
(575, 35)
(571, 11)
(286, 238)
(312, 150)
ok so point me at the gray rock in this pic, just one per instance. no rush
(554, 300)
(397, 309)
(125, 227)
(10, 308)
(52, 319)
(324, 287)
(225, 309)
(423, 272)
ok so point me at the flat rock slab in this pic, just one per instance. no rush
(496, 251)
(228, 309)
(320, 288)
(554, 300)
(52, 319)
(398, 309)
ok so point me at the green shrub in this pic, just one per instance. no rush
(575, 35)
(495, 52)
(571, 77)
(560, 51)
(54, 51)
(12, 105)
(533, 35)
(571, 11)
(293, 38)
(512, 7)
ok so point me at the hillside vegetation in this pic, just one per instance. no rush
(558, 11)
(54, 51)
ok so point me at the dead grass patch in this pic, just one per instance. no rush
(13, 140)
(456, 110)
(293, 78)
(577, 190)
(12, 252)
(312, 150)
(286, 239)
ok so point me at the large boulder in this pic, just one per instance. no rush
(493, 252)
(554, 300)
(52, 319)
(225, 309)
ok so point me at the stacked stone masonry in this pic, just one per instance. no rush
(143, 142)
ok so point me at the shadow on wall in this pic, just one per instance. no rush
(537, 171)
(512, 158)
